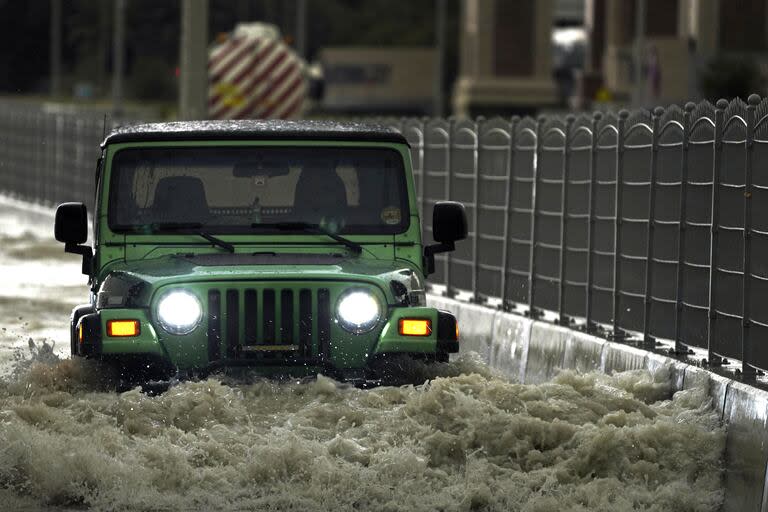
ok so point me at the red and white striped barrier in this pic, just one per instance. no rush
(255, 77)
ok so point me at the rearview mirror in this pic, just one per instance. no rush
(71, 228)
(269, 168)
(449, 224)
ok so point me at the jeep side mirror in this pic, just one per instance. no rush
(449, 224)
(71, 228)
(71, 223)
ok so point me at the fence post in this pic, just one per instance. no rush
(534, 218)
(563, 319)
(648, 341)
(589, 326)
(43, 128)
(476, 201)
(507, 211)
(422, 176)
(712, 358)
(448, 195)
(62, 169)
(747, 370)
(617, 333)
(78, 165)
(681, 228)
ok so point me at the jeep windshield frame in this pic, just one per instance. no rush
(355, 190)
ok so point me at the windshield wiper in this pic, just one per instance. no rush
(217, 241)
(312, 228)
(195, 227)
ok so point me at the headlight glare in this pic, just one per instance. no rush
(358, 311)
(179, 312)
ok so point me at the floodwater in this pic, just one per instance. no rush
(466, 440)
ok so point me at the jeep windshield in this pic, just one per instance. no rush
(258, 190)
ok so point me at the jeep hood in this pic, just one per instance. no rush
(138, 279)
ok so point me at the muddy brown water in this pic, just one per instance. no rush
(467, 439)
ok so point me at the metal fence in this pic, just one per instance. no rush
(48, 153)
(649, 224)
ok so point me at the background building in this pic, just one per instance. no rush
(505, 61)
(687, 43)
(524, 56)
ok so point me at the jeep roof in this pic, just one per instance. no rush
(255, 129)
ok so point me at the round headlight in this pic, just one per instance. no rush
(358, 311)
(179, 311)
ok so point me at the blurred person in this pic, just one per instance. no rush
(566, 83)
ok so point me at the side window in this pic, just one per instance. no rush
(349, 177)
(145, 178)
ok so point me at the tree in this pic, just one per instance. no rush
(729, 77)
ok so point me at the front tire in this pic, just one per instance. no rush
(72, 340)
(77, 314)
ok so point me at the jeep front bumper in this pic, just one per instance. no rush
(227, 344)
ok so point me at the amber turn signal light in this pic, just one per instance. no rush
(415, 327)
(123, 328)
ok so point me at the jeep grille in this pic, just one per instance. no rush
(262, 323)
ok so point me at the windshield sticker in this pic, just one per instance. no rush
(391, 215)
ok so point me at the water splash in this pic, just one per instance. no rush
(467, 440)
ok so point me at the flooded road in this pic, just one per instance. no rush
(467, 440)
(39, 283)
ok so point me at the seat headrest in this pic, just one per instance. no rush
(320, 193)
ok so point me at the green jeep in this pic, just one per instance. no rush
(290, 247)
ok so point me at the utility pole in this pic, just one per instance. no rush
(301, 28)
(103, 48)
(118, 58)
(438, 99)
(55, 62)
(638, 93)
(193, 87)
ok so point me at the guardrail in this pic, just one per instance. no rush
(645, 223)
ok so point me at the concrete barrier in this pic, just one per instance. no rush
(532, 352)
